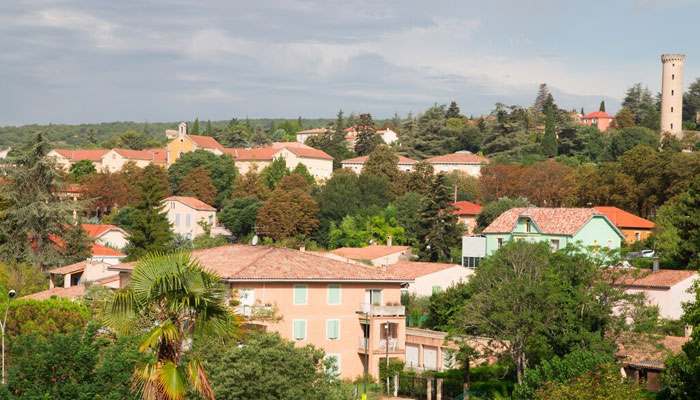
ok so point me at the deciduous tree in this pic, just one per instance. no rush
(288, 213)
(197, 183)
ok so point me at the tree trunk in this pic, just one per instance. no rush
(466, 378)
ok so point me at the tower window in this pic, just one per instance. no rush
(671, 109)
(673, 76)
(672, 92)
(671, 126)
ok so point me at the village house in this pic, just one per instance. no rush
(65, 158)
(303, 136)
(633, 227)
(185, 213)
(317, 162)
(464, 161)
(601, 119)
(387, 135)
(107, 235)
(341, 307)
(114, 159)
(466, 212)
(428, 277)
(185, 143)
(358, 163)
(377, 255)
(432, 350)
(107, 255)
(74, 278)
(643, 356)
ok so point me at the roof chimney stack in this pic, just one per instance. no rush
(388, 241)
(655, 265)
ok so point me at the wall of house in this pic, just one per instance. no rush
(61, 161)
(423, 285)
(469, 222)
(669, 300)
(113, 238)
(321, 169)
(471, 169)
(355, 167)
(180, 224)
(95, 271)
(317, 311)
(389, 136)
(404, 255)
(598, 232)
(113, 161)
(245, 166)
(111, 260)
(492, 239)
(631, 234)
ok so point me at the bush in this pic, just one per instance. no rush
(46, 317)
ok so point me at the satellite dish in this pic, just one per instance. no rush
(255, 240)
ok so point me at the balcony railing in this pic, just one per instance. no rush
(382, 311)
(254, 311)
(393, 344)
(363, 343)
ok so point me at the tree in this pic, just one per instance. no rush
(250, 184)
(602, 106)
(302, 171)
(452, 111)
(44, 318)
(274, 172)
(445, 306)
(105, 191)
(222, 168)
(150, 231)
(624, 119)
(549, 141)
(208, 130)
(638, 101)
(382, 162)
(124, 218)
(366, 135)
(602, 383)
(243, 372)
(470, 138)
(680, 224)
(197, 183)
(408, 207)
(183, 302)
(339, 131)
(542, 94)
(82, 167)
(439, 229)
(259, 138)
(35, 219)
(77, 245)
(691, 101)
(288, 213)
(239, 216)
(431, 136)
(23, 278)
(195, 127)
(628, 138)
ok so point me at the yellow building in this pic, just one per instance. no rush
(185, 143)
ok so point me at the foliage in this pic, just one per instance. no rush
(492, 210)
(221, 167)
(628, 138)
(452, 110)
(431, 136)
(105, 191)
(549, 141)
(197, 183)
(624, 119)
(45, 318)
(207, 242)
(679, 225)
(251, 185)
(445, 305)
(639, 102)
(602, 106)
(274, 172)
(542, 95)
(367, 139)
(439, 230)
(244, 372)
(382, 162)
(604, 383)
(359, 231)
(239, 215)
(82, 167)
(288, 213)
(22, 278)
(302, 171)
(408, 209)
(691, 101)
(173, 299)
(124, 218)
(77, 246)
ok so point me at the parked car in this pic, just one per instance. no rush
(648, 253)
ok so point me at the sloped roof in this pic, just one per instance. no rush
(598, 114)
(363, 159)
(646, 279)
(648, 351)
(370, 252)
(311, 131)
(256, 154)
(100, 250)
(467, 208)
(191, 202)
(158, 155)
(460, 157)
(69, 269)
(206, 142)
(554, 221)
(79, 155)
(413, 270)
(244, 262)
(72, 293)
(95, 230)
(309, 153)
(623, 219)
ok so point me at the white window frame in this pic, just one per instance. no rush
(340, 295)
(329, 320)
(294, 295)
(551, 244)
(381, 295)
(306, 329)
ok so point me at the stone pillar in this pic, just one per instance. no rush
(396, 385)
(438, 389)
(429, 388)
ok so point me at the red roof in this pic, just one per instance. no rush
(69, 269)
(554, 221)
(370, 252)
(467, 208)
(413, 270)
(363, 159)
(663, 279)
(95, 230)
(158, 155)
(598, 114)
(192, 202)
(460, 157)
(100, 250)
(206, 142)
(623, 219)
(268, 153)
(72, 293)
(309, 153)
(647, 350)
(79, 155)
(257, 154)
(244, 262)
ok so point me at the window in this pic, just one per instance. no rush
(172, 205)
(436, 289)
(672, 92)
(673, 76)
(211, 219)
(300, 295)
(114, 156)
(610, 243)
(671, 109)
(528, 226)
(299, 328)
(499, 243)
(554, 244)
(671, 126)
(373, 296)
(246, 297)
(335, 366)
(471, 262)
(332, 329)
(637, 236)
(177, 219)
(334, 295)
(188, 220)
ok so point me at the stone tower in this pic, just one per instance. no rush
(672, 94)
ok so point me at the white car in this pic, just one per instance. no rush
(648, 253)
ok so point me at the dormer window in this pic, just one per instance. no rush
(528, 226)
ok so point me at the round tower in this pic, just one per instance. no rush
(672, 94)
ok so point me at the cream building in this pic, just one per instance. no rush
(65, 158)
(184, 213)
(358, 163)
(319, 164)
(672, 94)
(303, 136)
(114, 159)
(429, 278)
(464, 161)
(185, 143)
(107, 235)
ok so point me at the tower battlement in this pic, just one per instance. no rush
(672, 57)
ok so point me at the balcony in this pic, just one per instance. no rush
(363, 343)
(375, 310)
(255, 312)
(393, 345)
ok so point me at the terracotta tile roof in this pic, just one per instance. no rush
(308, 131)
(72, 293)
(95, 230)
(206, 142)
(467, 208)
(623, 219)
(648, 351)
(69, 269)
(598, 114)
(363, 159)
(257, 154)
(554, 221)
(414, 270)
(192, 202)
(646, 279)
(79, 155)
(460, 157)
(279, 145)
(100, 250)
(370, 252)
(157, 155)
(245, 262)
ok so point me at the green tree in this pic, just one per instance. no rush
(691, 101)
(124, 218)
(382, 162)
(439, 229)
(339, 129)
(273, 173)
(680, 227)
(288, 213)
(150, 231)
(250, 184)
(195, 127)
(44, 318)
(77, 245)
(408, 207)
(175, 302)
(302, 171)
(259, 138)
(197, 183)
(222, 168)
(602, 106)
(638, 101)
(602, 383)
(239, 216)
(208, 130)
(542, 94)
(628, 138)
(470, 138)
(492, 210)
(431, 136)
(445, 306)
(23, 278)
(452, 110)
(549, 141)
(82, 167)
(367, 138)
(624, 119)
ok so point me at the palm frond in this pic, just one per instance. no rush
(172, 381)
(199, 379)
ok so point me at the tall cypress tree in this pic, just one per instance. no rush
(452, 111)
(208, 131)
(549, 141)
(366, 135)
(195, 127)
(439, 229)
(339, 134)
(602, 106)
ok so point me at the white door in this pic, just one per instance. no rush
(430, 357)
(412, 355)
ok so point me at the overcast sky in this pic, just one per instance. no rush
(73, 61)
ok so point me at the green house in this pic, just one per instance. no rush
(557, 226)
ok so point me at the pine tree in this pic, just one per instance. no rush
(549, 103)
(541, 98)
(259, 138)
(302, 171)
(339, 134)
(366, 135)
(274, 172)
(208, 131)
(91, 137)
(439, 229)
(301, 127)
(195, 127)
(602, 106)
(150, 231)
(77, 244)
(582, 113)
(452, 111)
(549, 140)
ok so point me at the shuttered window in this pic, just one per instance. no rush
(300, 294)
(333, 329)
(334, 295)
(299, 327)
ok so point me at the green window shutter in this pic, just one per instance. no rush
(334, 294)
(300, 294)
(332, 329)
(299, 330)
(436, 289)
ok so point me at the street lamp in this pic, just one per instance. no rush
(11, 294)
(366, 340)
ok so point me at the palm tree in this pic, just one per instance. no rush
(173, 300)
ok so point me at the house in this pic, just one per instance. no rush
(107, 235)
(185, 213)
(464, 161)
(358, 163)
(665, 288)
(643, 356)
(428, 277)
(185, 143)
(633, 227)
(74, 278)
(303, 136)
(601, 119)
(467, 211)
(65, 158)
(432, 350)
(556, 226)
(341, 307)
(319, 163)
(107, 255)
(377, 255)
(387, 135)
(114, 159)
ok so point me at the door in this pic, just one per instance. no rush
(412, 355)
(430, 357)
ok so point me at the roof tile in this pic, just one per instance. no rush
(554, 221)
(623, 219)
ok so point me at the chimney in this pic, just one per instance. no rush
(388, 241)
(655, 265)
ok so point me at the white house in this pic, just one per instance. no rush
(429, 278)
(388, 136)
(303, 136)
(185, 213)
(358, 163)
(107, 235)
(319, 163)
(114, 159)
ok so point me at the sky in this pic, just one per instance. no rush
(84, 61)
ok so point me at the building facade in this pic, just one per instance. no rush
(600, 119)
(185, 213)
(378, 255)
(429, 278)
(358, 163)
(114, 159)
(633, 227)
(464, 161)
(672, 94)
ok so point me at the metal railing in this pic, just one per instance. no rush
(381, 311)
(363, 343)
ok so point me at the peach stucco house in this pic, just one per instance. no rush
(342, 307)
(114, 159)
(184, 214)
(601, 119)
(378, 255)
(74, 278)
(65, 158)
(467, 211)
